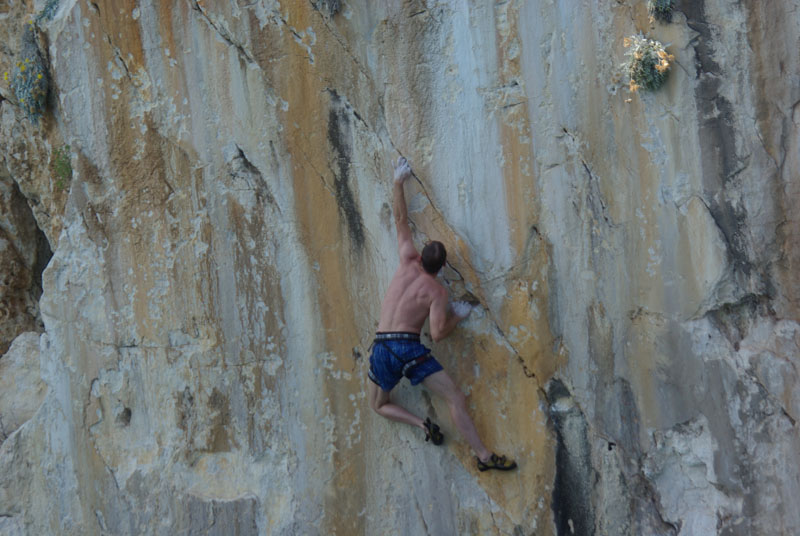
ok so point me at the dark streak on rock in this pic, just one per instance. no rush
(718, 138)
(594, 197)
(242, 168)
(575, 476)
(124, 417)
(734, 320)
(339, 139)
(219, 439)
(43, 250)
(328, 7)
(647, 511)
(184, 403)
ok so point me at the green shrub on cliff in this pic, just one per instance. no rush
(648, 63)
(30, 80)
(62, 166)
(660, 9)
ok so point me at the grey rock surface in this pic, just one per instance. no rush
(221, 247)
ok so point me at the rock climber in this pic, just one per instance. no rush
(414, 294)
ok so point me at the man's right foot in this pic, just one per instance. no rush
(432, 432)
(501, 463)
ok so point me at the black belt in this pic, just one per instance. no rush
(396, 335)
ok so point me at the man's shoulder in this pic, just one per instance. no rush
(419, 280)
(431, 285)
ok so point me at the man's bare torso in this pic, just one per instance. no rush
(408, 300)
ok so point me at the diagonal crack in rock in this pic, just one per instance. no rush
(224, 34)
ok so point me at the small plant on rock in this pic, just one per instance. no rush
(660, 9)
(648, 63)
(30, 78)
(62, 166)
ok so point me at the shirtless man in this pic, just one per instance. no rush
(413, 295)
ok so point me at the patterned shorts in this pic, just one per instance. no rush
(398, 354)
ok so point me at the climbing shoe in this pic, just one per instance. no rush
(496, 462)
(432, 432)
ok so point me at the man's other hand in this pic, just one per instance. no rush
(402, 170)
(461, 309)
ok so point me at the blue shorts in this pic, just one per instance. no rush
(399, 354)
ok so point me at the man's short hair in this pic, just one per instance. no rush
(433, 257)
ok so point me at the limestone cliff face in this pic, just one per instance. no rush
(222, 245)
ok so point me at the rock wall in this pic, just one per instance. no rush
(221, 247)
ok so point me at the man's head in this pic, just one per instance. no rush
(433, 257)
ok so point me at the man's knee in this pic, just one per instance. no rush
(376, 404)
(441, 384)
(378, 398)
(456, 398)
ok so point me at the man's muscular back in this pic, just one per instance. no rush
(408, 300)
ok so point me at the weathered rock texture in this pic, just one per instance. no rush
(221, 249)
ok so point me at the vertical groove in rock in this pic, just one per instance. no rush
(339, 136)
(575, 475)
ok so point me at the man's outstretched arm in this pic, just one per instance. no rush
(405, 245)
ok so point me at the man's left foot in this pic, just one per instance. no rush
(500, 463)
(432, 432)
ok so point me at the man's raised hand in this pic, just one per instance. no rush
(402, 170)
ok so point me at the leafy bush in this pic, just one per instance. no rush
(30, 80)
(648, 63)
(660, 9)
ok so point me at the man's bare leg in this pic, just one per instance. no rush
(379, 401)
(441, 384)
